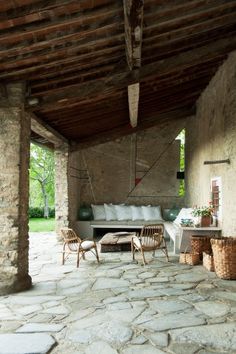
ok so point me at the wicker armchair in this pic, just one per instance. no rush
(150, 239)
(73, 244)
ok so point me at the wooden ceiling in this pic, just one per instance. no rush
(99, 69)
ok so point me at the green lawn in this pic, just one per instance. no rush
(40, 224)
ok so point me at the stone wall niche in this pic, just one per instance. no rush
(14, 187)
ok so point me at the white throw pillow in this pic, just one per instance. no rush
(185, 213)
(123, 212)
(152, 213)
(110, 212)
(98, 212)
(137, 213)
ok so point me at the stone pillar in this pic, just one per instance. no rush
(14, 189)
(61, 187)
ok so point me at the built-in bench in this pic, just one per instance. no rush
(180, 236)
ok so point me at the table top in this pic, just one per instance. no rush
(208, 228)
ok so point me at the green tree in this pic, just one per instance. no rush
(41, 178)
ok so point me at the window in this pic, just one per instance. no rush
(216, 195)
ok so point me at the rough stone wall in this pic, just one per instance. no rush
(61, 187)
(74, 187)
(108, 171)
(211, 135)
(14, 196)
(66, 187)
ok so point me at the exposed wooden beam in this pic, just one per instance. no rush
(41, 128)
(133, 99)
(155, 69)
(133, 22)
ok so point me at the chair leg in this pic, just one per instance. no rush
(165, 250)
(132, 250)
(144, 260)
(77, 261)
(63, 255)
(96, 251)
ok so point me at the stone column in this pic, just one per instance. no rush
(61, 187)
(14, 189)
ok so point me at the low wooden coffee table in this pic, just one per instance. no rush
(116, 242)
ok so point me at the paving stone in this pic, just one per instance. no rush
(159, 338)
(74, 290)
(82, 336)
(51, 304)
(218, 336)
(90, 321)
(36, 343)
(9, 326)
(212, 309)
(26, 310)
(42, 317)
(192, 298)
(158, 280)
(113, 332)
(166, 306)
(190, 277)
(173, 320)
(110, 283)
(143, 293)
(57, 310)
(146, 275)
(127, 315)
(114, 299)
(142, 349)
(183, 348)
(139, 340)
(40, 327)
(231, 296)
(100, 347)
(118, 306)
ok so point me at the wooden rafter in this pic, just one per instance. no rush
(45, 131)
(155, 69)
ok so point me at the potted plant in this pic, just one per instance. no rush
(204, 214)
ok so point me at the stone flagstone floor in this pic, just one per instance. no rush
(117, 307)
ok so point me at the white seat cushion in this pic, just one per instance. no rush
(98, 212)
(110, 212)
(146, 242)
(123, 212)
(86, 245)
(152, 213)
(137, 212)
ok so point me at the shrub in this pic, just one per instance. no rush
(36, 212)
(52, 212)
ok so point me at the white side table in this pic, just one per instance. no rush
(187, 232)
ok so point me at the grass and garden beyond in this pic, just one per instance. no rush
(41, 224)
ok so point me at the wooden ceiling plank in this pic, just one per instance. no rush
(83, 36)
(43, 30)
(86, 60)
(72, 67)
(180, 61)
(191, 19)
(200, 27)
(45, 10)
(126, 129)
(133, 22)
(58, 55)
(192, 41)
